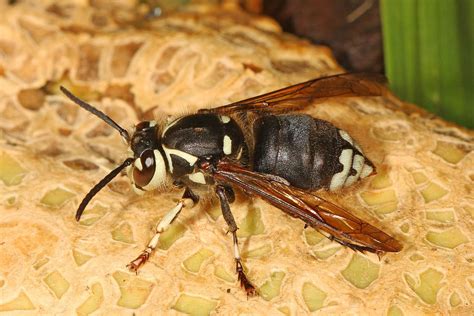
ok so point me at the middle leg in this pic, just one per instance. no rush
(229, 218)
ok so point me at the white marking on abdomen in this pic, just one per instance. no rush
(197, 177)
(346, 136)
(227, 145)
(188, 157)
(357, 164)
(366, 171)
(339, 178)
(349, 139)
(224, 118)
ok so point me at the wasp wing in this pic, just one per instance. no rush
(318, 213)
(313, 91)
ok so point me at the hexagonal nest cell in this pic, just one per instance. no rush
(131, 67)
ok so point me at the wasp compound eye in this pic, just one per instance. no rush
(149, 170)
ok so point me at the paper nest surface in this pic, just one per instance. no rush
(52, 153)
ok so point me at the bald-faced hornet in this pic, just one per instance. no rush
(281, 158)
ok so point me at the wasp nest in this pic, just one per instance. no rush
(52, 153)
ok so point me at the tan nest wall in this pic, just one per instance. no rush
(51, 153)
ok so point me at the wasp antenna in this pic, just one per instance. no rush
(104, 117)
(102, 183)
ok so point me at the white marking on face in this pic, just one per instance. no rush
(227, 145)
(160, 172)
(188, 157)
(366, 171)
(339, 178)
(357, 164)
(224, 118)
(197, 177)
(130, 176)
(138, 164)
(346, 136)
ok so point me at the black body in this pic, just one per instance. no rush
(299, 148)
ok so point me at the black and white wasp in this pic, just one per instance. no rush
(279, 158)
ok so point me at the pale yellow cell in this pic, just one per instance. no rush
(252, 224)
(313, 296)
(285, 310)
(428, 286)
(11, 200)
(455, 299)
(80, 258)
(361, 272)
(416, 257)
(386, 208)
(223, 274)
(123, 233)
(433, 192)
(312, 236)
(56, 198)
(194, 305)
(40, 262)
(394, 310)
(387, 134)
(449, 152)
(169, 237)
(258, 252)
(92, 215)
(271, 288)
(21, 302)
(93, 302)
(405, 227)
(443, 216)
(133, 291)
(379, 197)
(381, 181)
(450, 238)
(194, 262)
(469, 210)
(57, 283)
(419, 177)
(11, 172)
(326, 253)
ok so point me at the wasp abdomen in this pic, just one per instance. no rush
(308, 152)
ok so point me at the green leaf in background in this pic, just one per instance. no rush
(429, 54)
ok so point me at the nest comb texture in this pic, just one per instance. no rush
(52, 153)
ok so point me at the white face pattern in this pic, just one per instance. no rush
(148, 172)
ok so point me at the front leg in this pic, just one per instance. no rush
(188, 200)
(229, 218)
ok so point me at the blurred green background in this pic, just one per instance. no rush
(429, 54)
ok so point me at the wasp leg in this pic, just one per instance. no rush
(188, 200)
(222, 193)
